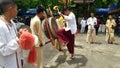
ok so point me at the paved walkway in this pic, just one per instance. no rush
(99, 55)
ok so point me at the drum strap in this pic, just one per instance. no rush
(51, 37)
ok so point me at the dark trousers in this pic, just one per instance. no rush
(66, 37)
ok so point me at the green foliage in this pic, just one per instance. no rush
(24, 4)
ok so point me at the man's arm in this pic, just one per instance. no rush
(37, 30)
(95, 21)
(65, 17)
(107, 24)
(114, 23)
(68, 17)
(88, 21)
(41, 34)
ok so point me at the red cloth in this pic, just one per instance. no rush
(66, 37)
(26, 41)
(32, 55)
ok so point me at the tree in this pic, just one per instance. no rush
(24, 4)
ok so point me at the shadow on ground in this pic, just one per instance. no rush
(78, 60)
(116, 43)
(79, 46)
(99, 43)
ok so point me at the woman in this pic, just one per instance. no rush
(110, 27)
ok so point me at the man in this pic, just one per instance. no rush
(10, 53)
(66, 35)
(110, 27)
(36, 27)
(91, 22)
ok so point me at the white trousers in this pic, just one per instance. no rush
(101, 28)
(82, 29)
(91, 34)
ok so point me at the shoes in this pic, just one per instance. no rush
(92, 42)
(60, 49)
(110, 42)
(72, 56)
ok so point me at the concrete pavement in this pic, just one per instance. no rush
(98, 55)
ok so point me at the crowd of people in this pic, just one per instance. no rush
(94, 25)
(100, 27)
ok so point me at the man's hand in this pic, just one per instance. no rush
(60, 14)
(89, 24)
(17, 40)
(95, 23)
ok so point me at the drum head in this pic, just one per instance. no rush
(53, 26)
(45, 29)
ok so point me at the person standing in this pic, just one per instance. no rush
(91, 22)
(110, 28)
(98, 25)
(36, 28)
(66, 35)
(102, 25)
(10, 52)
(61, 25)
(83, 25)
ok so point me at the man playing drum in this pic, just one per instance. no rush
(66, 35)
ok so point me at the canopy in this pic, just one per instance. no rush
(101, 11)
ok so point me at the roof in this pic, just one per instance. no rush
(116, 11)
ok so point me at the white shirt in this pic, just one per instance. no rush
(9, 46)
(91, 22)
(71, 23)
(83, 23)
